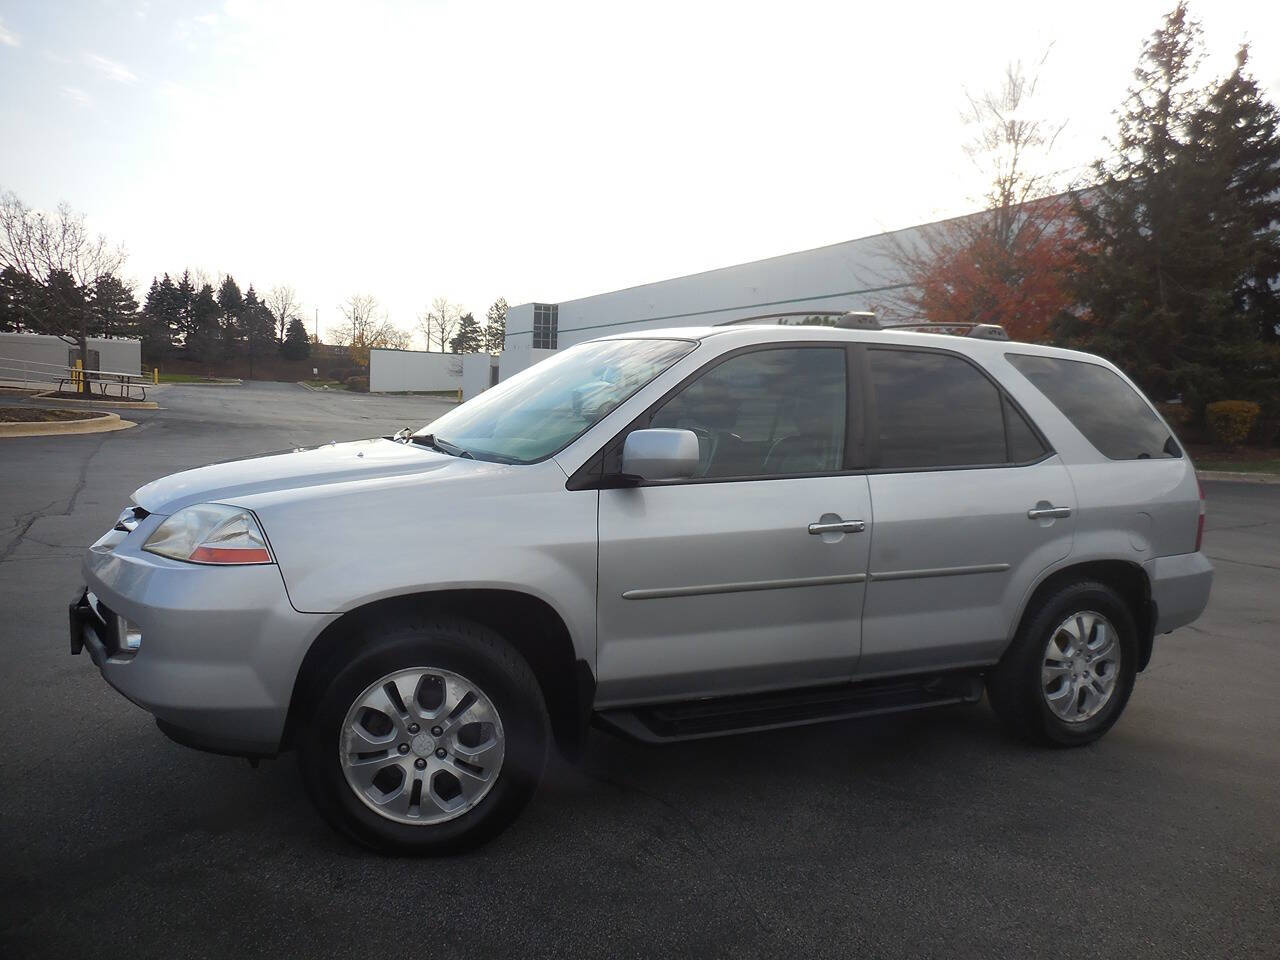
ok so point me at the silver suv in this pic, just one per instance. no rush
(668, 534)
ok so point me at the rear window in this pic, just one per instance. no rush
(1111, 415)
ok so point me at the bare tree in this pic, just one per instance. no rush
(397, 339)
(35, 242)
(440, 323)
(59, 245)
(1011, 145)
(365, 326)
(283, 303)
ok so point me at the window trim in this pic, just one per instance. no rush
(591, 476)
(873, 415)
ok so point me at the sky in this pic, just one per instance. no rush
(536, 151)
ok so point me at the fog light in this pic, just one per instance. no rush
(130, 635)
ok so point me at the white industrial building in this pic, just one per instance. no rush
(857, 274)
(853, 275)
(37, 358)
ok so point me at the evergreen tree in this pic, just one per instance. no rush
(1236, 134)
(257, 325)
(1180, 232)
(203, 334)
(159, 324)
(113, 309)
(495, 327)
(62, 309)
(296, 345)
(231, 303)
(469, 338)
(184, 297)
(19, 300)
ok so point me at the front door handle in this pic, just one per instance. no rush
(1048, 513)
(843, 526)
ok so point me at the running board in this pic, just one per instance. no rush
(722, 716)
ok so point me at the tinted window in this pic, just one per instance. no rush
(935, 410)
(765, 413)
(1024, 445)
(1103, 407)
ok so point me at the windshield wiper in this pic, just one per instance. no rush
(444, 446)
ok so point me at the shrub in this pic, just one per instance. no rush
(361, 384)
(1231, 420)
(1177, 415)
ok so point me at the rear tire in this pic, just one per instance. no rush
(456, 731)
(1065, 679)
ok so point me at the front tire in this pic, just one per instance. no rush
(429, 741)
(1065, 679)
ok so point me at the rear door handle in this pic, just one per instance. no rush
(843, 526)
(1048, 513)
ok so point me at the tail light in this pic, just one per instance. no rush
(1200, 521)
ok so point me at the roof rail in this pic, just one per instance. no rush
(980, 331)
(858, 320)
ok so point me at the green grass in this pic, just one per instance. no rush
(1240, 466)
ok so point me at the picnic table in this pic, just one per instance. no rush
(126, 382)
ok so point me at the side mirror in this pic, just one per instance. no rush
(660, 454)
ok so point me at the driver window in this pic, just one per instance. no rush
(766, 413)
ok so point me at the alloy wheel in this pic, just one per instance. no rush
(422, 746)
(1080, 667)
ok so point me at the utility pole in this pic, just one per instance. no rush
(317, 324)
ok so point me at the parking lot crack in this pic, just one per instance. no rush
(22, 526)
(27, 520)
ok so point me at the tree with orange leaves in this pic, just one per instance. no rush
(1013, 263)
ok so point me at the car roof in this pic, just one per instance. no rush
(746, 334)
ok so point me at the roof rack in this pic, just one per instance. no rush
(980, 331)
(866, 320)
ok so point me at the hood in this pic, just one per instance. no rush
(331, 463)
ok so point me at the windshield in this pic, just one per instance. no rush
(540, 410)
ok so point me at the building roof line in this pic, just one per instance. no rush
(703, 313)
(780, 256)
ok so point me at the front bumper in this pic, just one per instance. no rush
(220, 646)
(1179, 588)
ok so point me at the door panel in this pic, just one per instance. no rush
(713, 588)
(952, 556)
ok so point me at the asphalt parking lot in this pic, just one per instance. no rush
(930, 835)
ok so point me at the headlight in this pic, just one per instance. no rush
(210, 533)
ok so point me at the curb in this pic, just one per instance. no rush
(1231, 476)
(119, 404)
(103, 424)
(201, 383)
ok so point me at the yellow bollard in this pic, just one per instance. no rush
(155, 375)
(78, 375)
(459, 394)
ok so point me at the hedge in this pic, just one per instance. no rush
(1231, 420)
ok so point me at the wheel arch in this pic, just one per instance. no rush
(1128, 579)
(529, 623)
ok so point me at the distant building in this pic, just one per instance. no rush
(854, 275)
